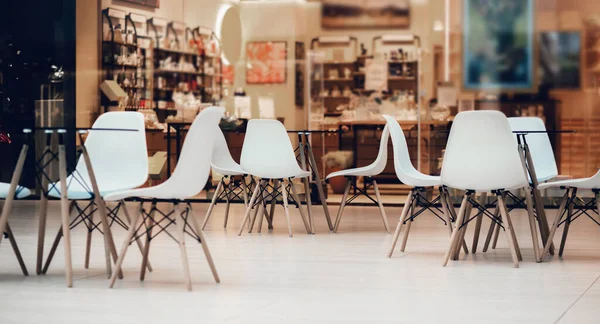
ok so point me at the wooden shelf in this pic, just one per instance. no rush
(338, 80)
(396, 78)
(177, 72)
(332, 97)
(104, 42)
(173, 51)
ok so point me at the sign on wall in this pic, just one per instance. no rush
(376, 75)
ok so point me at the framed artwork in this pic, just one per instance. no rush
(365, 14)
(560, 59)
(498, 40)
(266, 62)
(148, 3)
(300, 68)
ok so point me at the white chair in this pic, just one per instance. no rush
(367, 172)
(410, 176)
(20, 193)
(565, 212)
(120, 162)
(482, 156)
(188, 179)
(223, 164)
(542, 156)
(267, 154)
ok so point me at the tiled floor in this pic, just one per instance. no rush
(322, 278)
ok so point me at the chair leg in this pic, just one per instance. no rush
(557, 219)
(381, 209)
(532, 226)
(478, 221)
(496, 234)
(212, 204)
(447, 215)
(227, 198)
(568, 222)
(247, 214)
(405, 210)
(452, 212)
(306, 222)
(125, 245)
(55, 243)
(138, 241)
(262, 208)
(285, 207)
(261, 185)
(463, 231)
(409, 222)
(180, 222)
(342, 205)
(455, 233)
(149, 229)
(491, 230)
(508, 230)
(276, 187)
(15, 247)
(244, 190)
(88, 241)
(207, 254)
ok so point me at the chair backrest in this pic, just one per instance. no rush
(482, 153)
(380, 162)
(119, 158)
(267, 151)
(193, 168)
(539, 146)
(221, 157)
(402, 164)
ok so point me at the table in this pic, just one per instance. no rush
(54, 152)
(304, 153)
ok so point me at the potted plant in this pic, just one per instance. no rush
(336, 161)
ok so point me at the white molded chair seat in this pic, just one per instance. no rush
(268, 153)
(119, 158)
(405, 170)
(21, 191)
(222, 161)
(592, 182)
(539, 145)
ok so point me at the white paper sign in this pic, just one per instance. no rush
(376, 75)
(447, 96)
(242, 107)
(266, 107)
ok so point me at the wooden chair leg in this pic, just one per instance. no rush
(463, 231)
(227, 198)
(381, 209)
(306, 222)
(52, 251)
(138, 241)
(247, 214)
(478, 221)
(212, 204)
(180, 222)
(285, 208)
(207, 254)
(125, 245)
(567, 222)
(557, 219)
(452, 212)
(14, 182)
(15, 247)
(150, 223)
(409, 222)
(496, 234)
(491, 230)
(407, 207)
(261, 185)
(276, 187)
(244, 190)
(342, 205)
(88, 242)
(508, 230)
(262, 208)
(455, 233)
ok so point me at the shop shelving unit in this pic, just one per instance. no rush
(131, 76)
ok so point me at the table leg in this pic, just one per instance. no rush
(64, 208)
(319, 183)
(306, 181)
(43, 209)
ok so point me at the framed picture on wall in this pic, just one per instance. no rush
(266, 62)
(365, 14)
(148, 3)
(560, 59)
(498, 40)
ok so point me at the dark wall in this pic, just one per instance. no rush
(34, 35)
